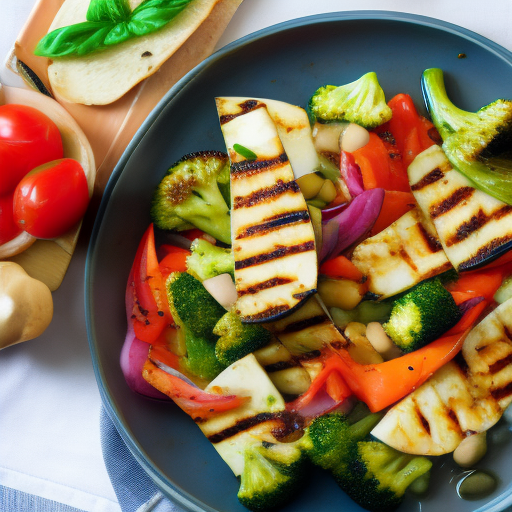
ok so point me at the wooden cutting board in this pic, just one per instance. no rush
(107, 128)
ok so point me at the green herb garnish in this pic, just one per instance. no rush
(109, 22)
(245, 152)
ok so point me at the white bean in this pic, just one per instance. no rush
(354, 137)
(471, 450)
(381, 342)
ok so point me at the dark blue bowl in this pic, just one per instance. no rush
(285, 62)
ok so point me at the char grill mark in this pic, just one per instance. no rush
(274, 223)
(245, 168)
(240, 426)
(460, 195)
(264, 285)
(304, 324)
(475, 223)
(266, 194)
(485, 252)
(504, 392)
(433, 176)
(433, 243)
(267, 313)
(280, 252)
(499, 365)
(246, 107)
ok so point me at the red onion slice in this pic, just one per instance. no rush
(351, 174)
(352, 224)
(135, 353)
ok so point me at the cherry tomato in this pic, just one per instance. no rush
(28, 138)
(51, 199)
(8, 228)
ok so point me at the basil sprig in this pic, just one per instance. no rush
(109, 22)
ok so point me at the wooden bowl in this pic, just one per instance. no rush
(48, 260)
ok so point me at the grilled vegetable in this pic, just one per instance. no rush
(306, 330)
(421, 316)
(374, 475)
(270, 471)
(361, 102)
(189, 196)
(196, 313)
(472, 226)
(467, 395)
(237, 339)
(272, 236)
(401, 256)
(207, 260)
(477, 144)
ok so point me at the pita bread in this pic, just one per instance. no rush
(102, 77)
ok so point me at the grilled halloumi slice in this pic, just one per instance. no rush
(401, 256)
(272, 236)
(307, 330)
(294, 131)
(231, 432)
(467, 395)
(472, 225)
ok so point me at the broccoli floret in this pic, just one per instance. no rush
(196, 312)
(238, 339)
(374, 475)
(189, 196)
(360, 102)
(476, 143)
(422, 315)
(272, 475)
(330, 440)
(207, 260)
(379, 476)
(201, 359)
(193, 305)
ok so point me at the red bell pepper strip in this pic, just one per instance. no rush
(162, 354)
(175, 260)
(396, 203)
(398, 172)
(383, 384)
(151, 310)
(484, 283)
(337, 389)
(197, 403)
(412, 132)
(372, 160)
(339, 268)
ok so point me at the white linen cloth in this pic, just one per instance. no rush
(49, 401)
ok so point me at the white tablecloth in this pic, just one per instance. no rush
(49, 401)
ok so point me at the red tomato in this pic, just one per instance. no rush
(28, 138)
(8, 228)
(51, 199)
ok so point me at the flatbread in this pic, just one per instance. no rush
(102, 77)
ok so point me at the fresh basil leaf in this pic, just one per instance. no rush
(245, 152)
(118, 34)
(110, 22)
(151, 15)
(108, 10)
(95, 41)
(66, 40)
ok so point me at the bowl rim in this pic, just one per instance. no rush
(180, 497)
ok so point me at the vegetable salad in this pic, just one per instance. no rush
(334, 290)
